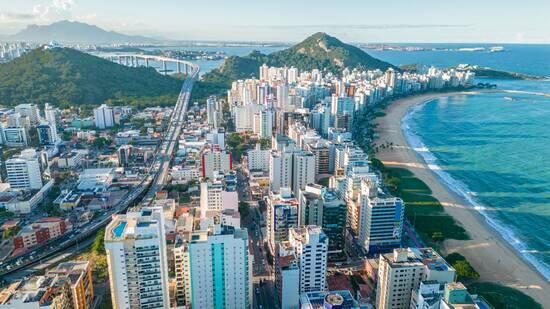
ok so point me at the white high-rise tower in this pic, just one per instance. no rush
(136, 254)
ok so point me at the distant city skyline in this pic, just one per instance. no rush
(427, 21)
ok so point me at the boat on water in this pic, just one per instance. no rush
(496, 49)
(509, 98)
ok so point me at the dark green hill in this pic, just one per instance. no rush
(324, 51)
(65, 76)
(319, 51)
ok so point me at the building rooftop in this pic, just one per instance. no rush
(136, 224)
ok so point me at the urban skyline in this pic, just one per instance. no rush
(136, 173)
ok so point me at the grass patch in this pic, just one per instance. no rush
(423, 210)
(503, 297)
(464, 271)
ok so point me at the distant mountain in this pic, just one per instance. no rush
(66, 77)
(319, 51)
(75, 32)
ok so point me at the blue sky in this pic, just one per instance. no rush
(491, 21)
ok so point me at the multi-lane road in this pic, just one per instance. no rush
(175, 126)
(79, 238)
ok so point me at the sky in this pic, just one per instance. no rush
(414, 21)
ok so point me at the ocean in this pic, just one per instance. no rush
(493, 149)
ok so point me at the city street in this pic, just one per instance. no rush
(263, 272)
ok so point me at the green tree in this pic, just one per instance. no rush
(465, 271)
(265, 143)
(101, 142)
(4, 214)
(234, 140)
(98, 246)
(67, 77)
(244, 209)
(10, 232)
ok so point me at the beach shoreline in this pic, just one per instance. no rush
(488, 252)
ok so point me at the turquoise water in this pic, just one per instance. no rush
(494, 150)
(119, 229)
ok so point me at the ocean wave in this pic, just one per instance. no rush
(462, 190)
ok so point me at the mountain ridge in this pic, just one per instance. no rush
(66, 31)
(318, 51)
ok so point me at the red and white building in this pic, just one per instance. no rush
(41, 231)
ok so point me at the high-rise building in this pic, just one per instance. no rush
(303, 170)
(323, 207)
(282, 96)
(79, 274)
(24, 171)
(46, 134)
(300, 265)
(69, 285)
(280, 169)
(258, 159)
(287, 276)
(104, 117)
(342, 105)
(381, 219)
(244, 116)
(216, 137)
(320, 148)
(456, 296)
(390, 77)
(29, 110)
(282, 214)
(329, 300)
(266, 123)
(355, 173)
(311, 248)
(292, 75)
(264, 72)
(136, 254)
(214, 197)
(14, 136)
(401, 273)
(50, 115)
(214, 269)
(14, 120)
(213, 111)
(123, 154)
(216, 160)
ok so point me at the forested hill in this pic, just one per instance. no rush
(66, 77)
(319, 51)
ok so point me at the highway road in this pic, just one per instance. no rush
(76, 240)
(164, 157)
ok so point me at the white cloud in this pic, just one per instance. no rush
(56, 10)
(64, 5)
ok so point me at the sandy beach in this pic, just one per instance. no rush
(489, 254)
